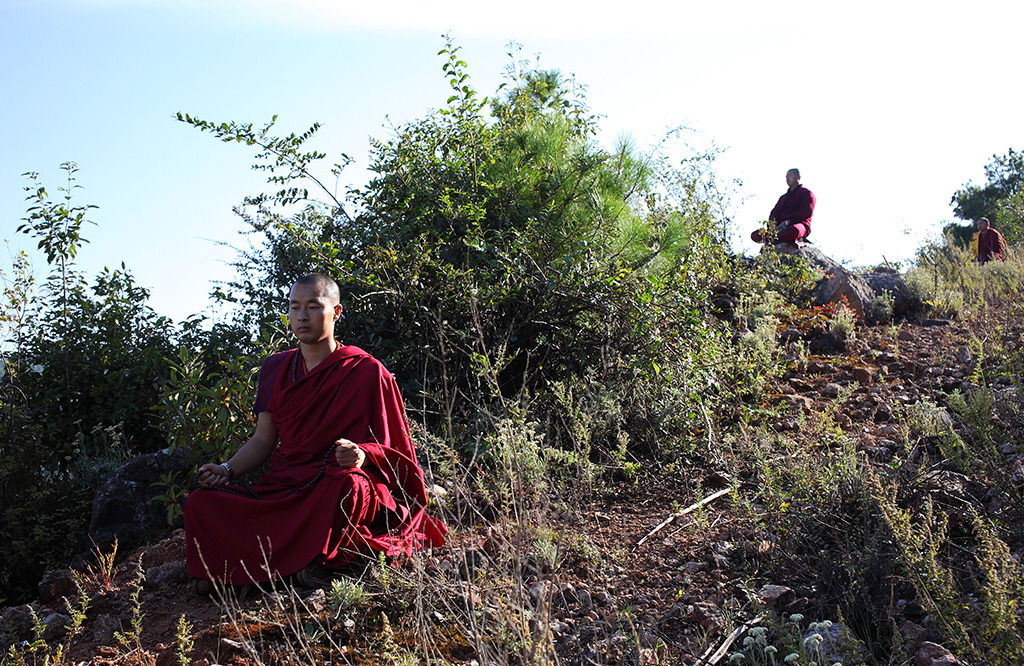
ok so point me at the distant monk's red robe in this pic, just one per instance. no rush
(308, 508)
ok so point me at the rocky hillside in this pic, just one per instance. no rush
(786, 530)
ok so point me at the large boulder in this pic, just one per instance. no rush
(885, 280)
(858, 290)
(841, 286)
(124, 508)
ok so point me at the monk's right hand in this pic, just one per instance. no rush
(348, 453)
(212, 474)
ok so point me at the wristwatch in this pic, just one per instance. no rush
(231, 472)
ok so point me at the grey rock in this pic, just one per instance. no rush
(932, 654)
(124, 508)
(830, 640)
(829, 343)
(708, 616)
(880, 453)
(57, 583)
(888, 281)
(832, 390)
(776, 595)
(540, 590)
(914, 632)
(164, 574)
(18, 620)
(56, 626)
(316, 601)
(104, 627)
(789, 335)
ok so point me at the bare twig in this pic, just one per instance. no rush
(680, 514)
(707, 659)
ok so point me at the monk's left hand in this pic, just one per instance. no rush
(349, 454)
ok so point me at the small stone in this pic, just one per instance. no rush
(708, 616)
(103, 628)
(57, 583)
(880, 453)
(914, 632)
(799, 384)
(931, 654)
(163, 574)
(316, 602)
(56, 626)
(789, 335)
(798, 402)
(773, 595)
(863, 376)
(831, 390)
(540, 590)
(567, 594)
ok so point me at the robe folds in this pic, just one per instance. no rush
(308, 508)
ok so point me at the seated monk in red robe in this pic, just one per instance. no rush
(343, 479)
(790, 220)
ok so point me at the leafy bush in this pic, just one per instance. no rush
(492, 256)
(82, 369)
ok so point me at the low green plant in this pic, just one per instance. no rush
(753, 307)
(844, 320)
(344, 595)
(99, 576)
(784, 641)
(131, 639)
(175, 487)
(183, 642)
(880, 310)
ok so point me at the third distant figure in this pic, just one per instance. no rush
(991, 244)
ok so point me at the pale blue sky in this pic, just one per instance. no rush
(886, 107)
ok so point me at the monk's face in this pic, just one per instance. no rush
(983, 225)
(311, 314)
(792, 179)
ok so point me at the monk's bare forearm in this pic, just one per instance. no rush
(249, 456)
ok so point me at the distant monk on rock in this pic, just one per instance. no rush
(991, 244)
(343, 482)
(790, 220)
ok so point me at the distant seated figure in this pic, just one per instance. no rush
(791, 217)
(991, 244)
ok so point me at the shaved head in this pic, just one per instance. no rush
(327, 286)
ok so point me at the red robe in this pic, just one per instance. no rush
(308, 508)
(991, 245)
